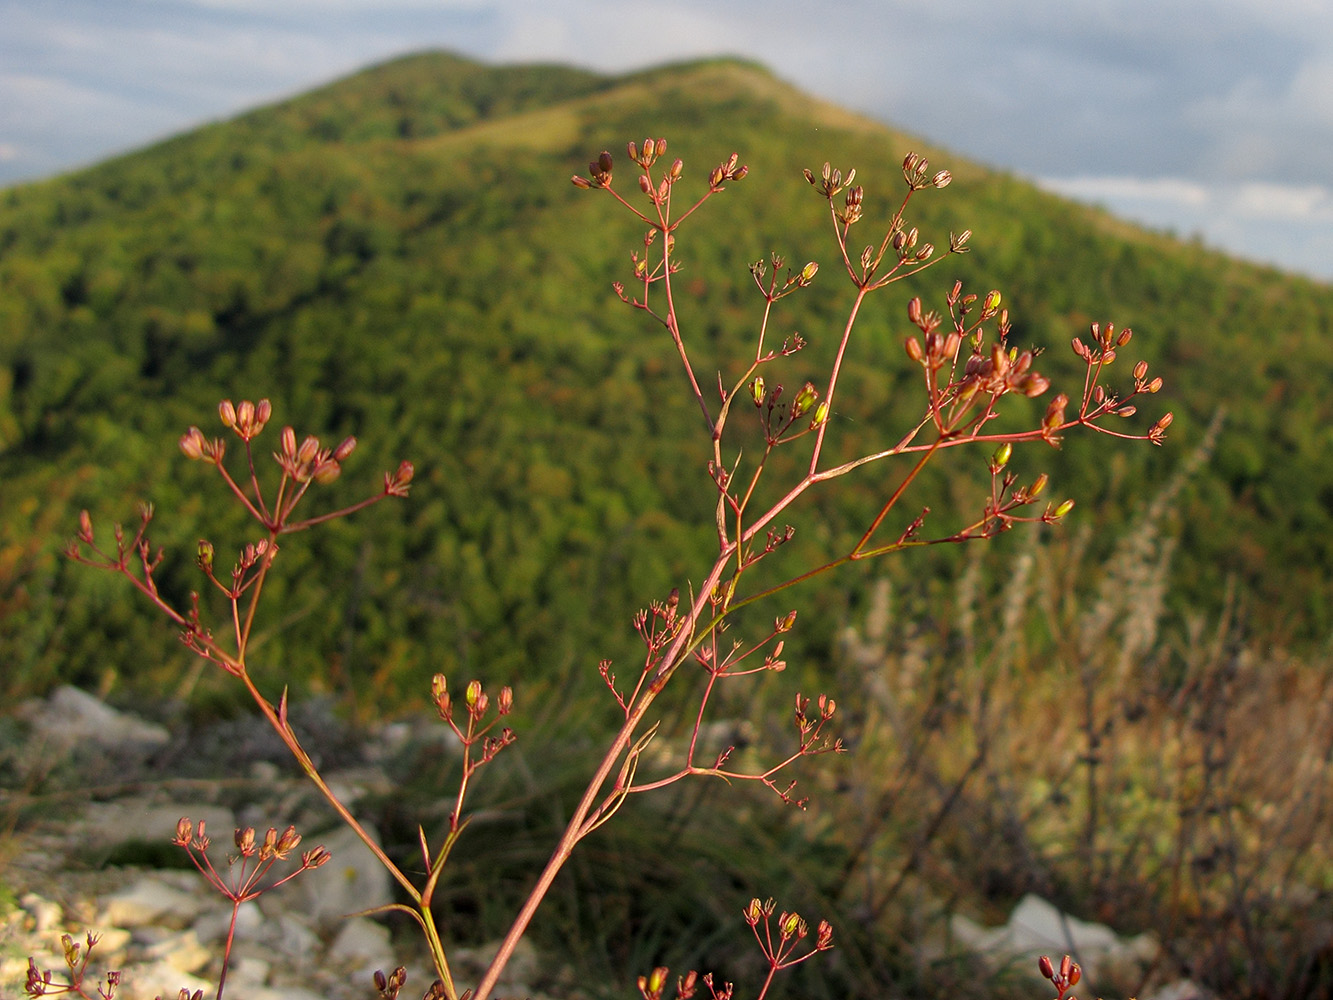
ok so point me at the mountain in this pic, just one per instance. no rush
(401, 256)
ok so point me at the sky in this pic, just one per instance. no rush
(1207, 118)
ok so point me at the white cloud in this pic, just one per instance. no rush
(1290, 225)
(1241, 92)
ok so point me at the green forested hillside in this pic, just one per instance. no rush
(401, 256)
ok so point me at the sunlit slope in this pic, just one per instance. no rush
(400, 255)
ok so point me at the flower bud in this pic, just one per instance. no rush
(913, 348)
(344, 450)
(1034, 385)
(821, 414)
(308, 450)
(753, 912)
(227, 412)
(1001, 456)
(757, 390)
(1140, 370)
(805, 399)
(942, 179)
(204, 555)
(289, 841)
(245, 840)
(193, 445)
(992, 302)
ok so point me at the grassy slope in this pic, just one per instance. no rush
(400, 255)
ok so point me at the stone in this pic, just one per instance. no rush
(71, 716)
(1036, 928)
(46, 915)
(150, 979)
(213, 926)
(181, 951)
(363, 945)
(353, 880)
(150, 900)
(149, 820)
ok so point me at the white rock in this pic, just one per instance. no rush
(248, 972)
(213, 925)
(181, 951)
(111, 945)
(46, 915)
(72, 716)
(149, 979)
(1037, 928)
(1180, 989)
(363, 945)
(279, 993)
(352, 881)
(149, 901)
(295, 939)
(142, 819)
(521, 969)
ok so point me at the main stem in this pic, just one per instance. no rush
(576, 829)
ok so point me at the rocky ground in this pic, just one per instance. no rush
(94, 797)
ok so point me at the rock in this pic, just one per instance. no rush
(1037, 928)
(46, 915)
(181, 951)
(1180, 989)
(71, 716)
(150, 979)
(296, 941)
(352, 881)
(142, 819)
(248, 974)
(523, 968)
(364, 946)
(150, 900)
(212, 927)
